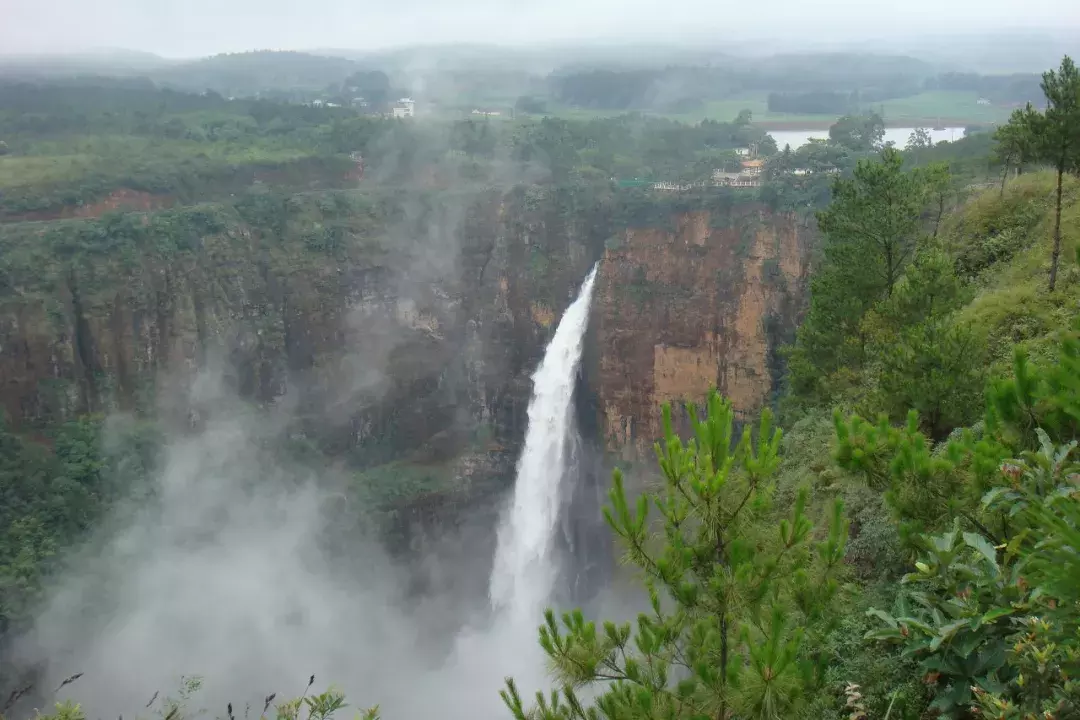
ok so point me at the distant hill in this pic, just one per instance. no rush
(990, 53)
(535, 59)
(261, 71)
(98, 61)
(998, 53)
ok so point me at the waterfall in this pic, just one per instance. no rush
(524, 571)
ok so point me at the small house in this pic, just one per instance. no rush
(752, 167)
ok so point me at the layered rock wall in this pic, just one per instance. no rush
(397, 328)
(697, 306)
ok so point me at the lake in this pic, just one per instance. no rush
(900, 136)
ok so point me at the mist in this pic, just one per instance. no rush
(190, 29)
(253, 569)
(225, 573)
(324, 252)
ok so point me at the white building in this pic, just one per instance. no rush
(405, 107)
(752, 167)
(721, 178)
(672, 187)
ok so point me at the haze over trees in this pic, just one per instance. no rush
(906, 548)
(1052, 136)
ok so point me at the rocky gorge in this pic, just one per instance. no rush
(398, 328)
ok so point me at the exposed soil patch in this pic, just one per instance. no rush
(123, 199)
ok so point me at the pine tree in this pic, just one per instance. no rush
(871, 229)
(919, 356)
(736, 597)
(1015, 142)
(1059, 137)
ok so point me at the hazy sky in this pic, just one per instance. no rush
(185, 28)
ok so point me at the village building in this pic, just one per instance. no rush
(405, 108)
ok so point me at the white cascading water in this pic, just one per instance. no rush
(524, 571)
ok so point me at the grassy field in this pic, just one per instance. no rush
(943, 107)
(723, 110)
(1012, 305)
(18, 170)
(76, 157)
(925, 109)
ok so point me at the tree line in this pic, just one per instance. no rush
(1051, 136)
(833, 85)
(979, 475)
(958, 487)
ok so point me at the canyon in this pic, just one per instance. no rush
(399, 329)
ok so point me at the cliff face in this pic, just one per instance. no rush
(693, 307)
(394, 328)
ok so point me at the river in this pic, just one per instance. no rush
(899, 135)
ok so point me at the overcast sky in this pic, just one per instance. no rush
(188, 28)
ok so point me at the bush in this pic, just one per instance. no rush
(310, 706)
(993, 228)
(739, 602)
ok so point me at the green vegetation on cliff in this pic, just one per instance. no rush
(959, 596)
(932, 393)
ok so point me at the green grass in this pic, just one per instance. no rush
(77, 157)
(1012, 306)
(926, 108)
(80, 169)
(384, 485)
(723, 110)
(757, 103)
(16, 171)
(950, 107)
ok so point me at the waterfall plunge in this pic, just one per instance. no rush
(524, 571)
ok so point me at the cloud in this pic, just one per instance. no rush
(186, 28)
(225, 574)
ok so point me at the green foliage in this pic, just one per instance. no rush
(1044, 684)
(991, 611)
(956, 620)
(889, 684)
(73, 145)
(1051, 137)
(918, 355)
(309, 706)
(1046, 652)
(994, 227)
(859, 133)
(1057, 137)
(1056, 130)
(925, 489)
(919, 139)
(49, 498)
(927, 486)
(934, 367)
(1043, 397)
(969, 159)
(737, 602)
(384, 487)
(996, 625)
(871, 229)
(1015, 146)
(878, 211)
